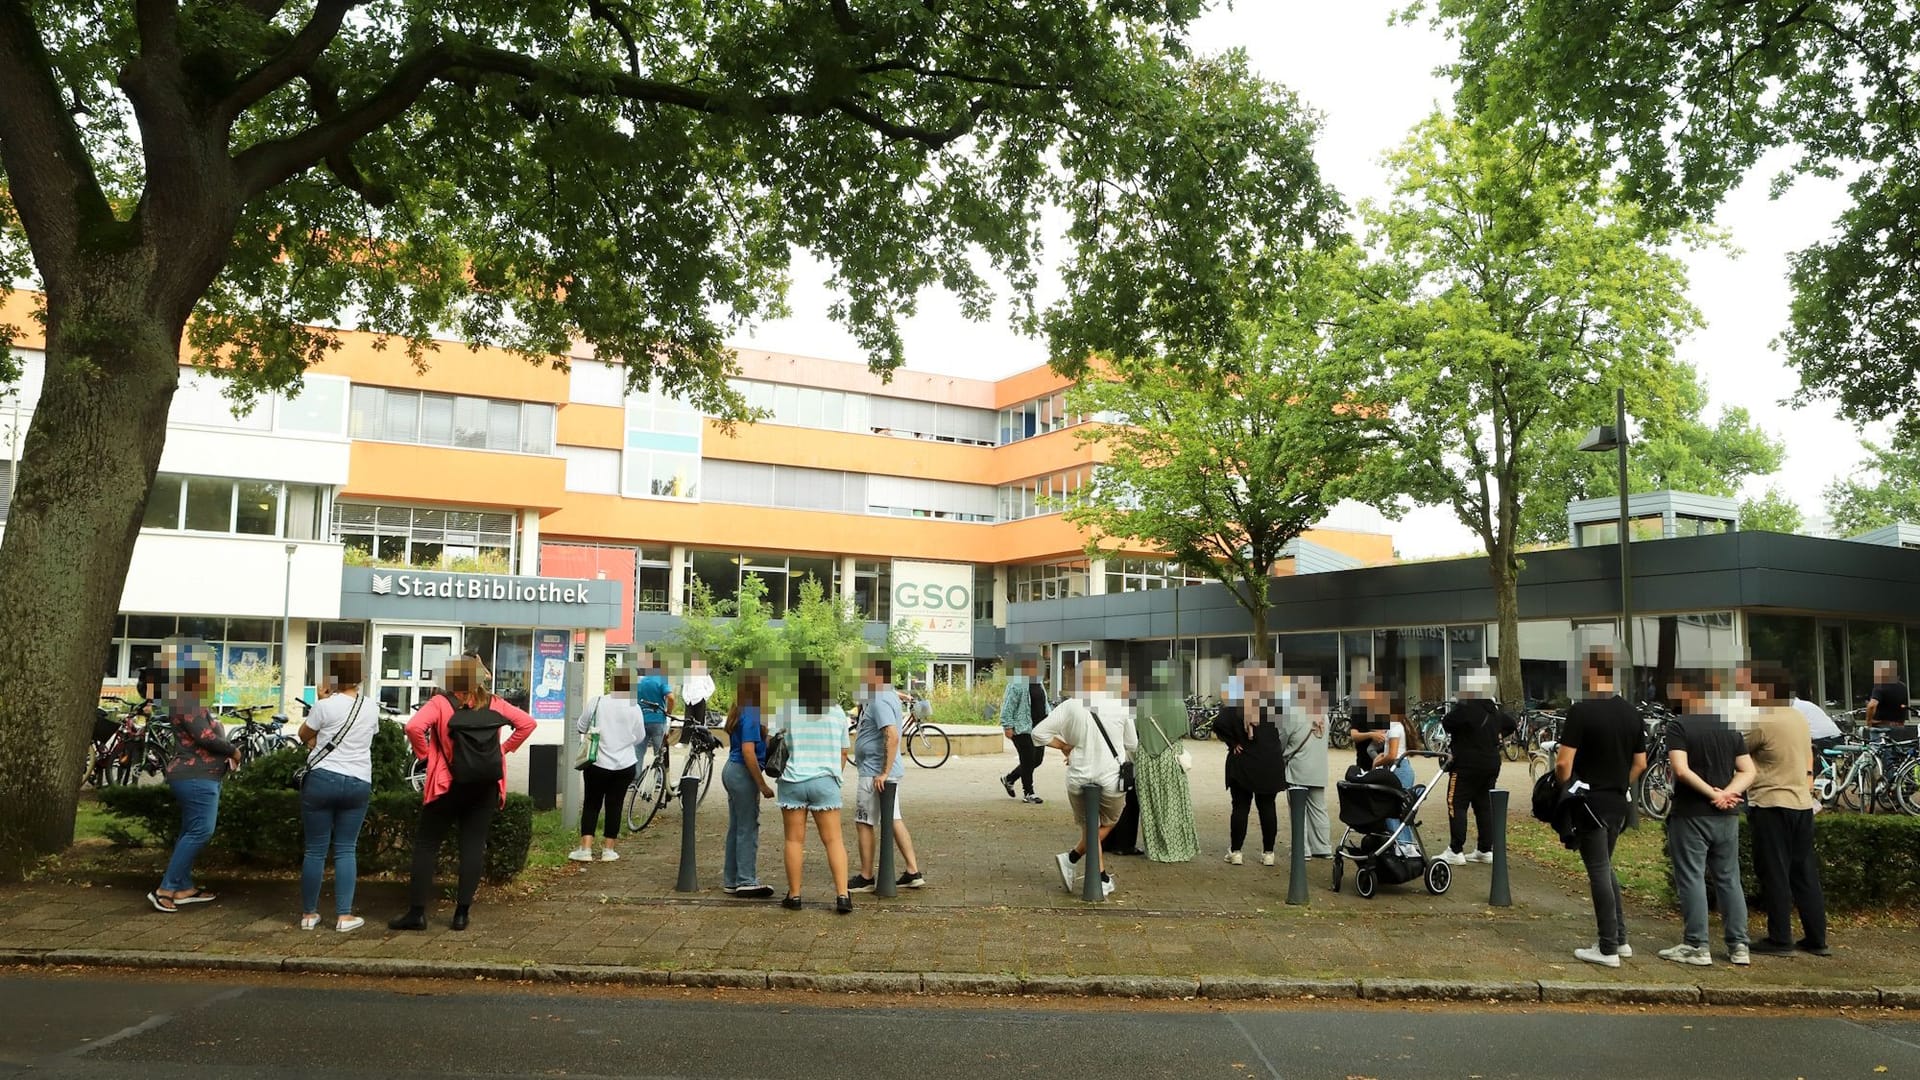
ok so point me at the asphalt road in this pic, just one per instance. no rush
(97, 1025)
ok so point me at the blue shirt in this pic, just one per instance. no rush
(652, 692)
(879, 711)
(747, 731)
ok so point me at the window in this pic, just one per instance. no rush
(939, 421)
(1037, 417)
(1140, 575)
(590, 382)
(900, 496)
(200, 401)
(983, 590)
(319, 409)
(662, 449)
(6, 488)
(1043, 494)
(216, 504)
(654, 580)
(592, 470)
(137, 640)
(423, 536)
(470, 423)
(209, 504)
(256, 508)
(1048, 581)
(873, 590)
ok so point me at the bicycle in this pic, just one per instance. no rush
(118, 746)
(1654, 790)
(927, 744)
(1201, 713)
(1339, 728)
(257, 739)
(651, 793)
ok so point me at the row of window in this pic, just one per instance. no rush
(1043, 494)
(1048, 581)
(137, 638)
(1140, 575)
(470, 423)
(219, 504)
(1037, 417)
(418, 536)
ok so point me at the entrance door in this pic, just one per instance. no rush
(1833, 690)
(412, 660)
(1066, 659)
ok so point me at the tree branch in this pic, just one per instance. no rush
(50, 177)
(291, 62)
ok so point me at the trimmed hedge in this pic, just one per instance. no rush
(1868, 862)
(259, 823)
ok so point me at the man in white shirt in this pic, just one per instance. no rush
(1093, 760)
(1820, 726)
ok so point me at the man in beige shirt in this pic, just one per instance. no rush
(1782, 818)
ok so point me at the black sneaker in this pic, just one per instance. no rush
(1034, 799)
(1007, 782)
(1806, 946)
(843, 904)
(1770, 947)
(912, 880)
(791, 903)
(754, 892)
(860, 883)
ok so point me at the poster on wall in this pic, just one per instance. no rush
(550, 674)
(937, 598)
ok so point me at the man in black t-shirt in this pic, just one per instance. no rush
(1889, 706)
(1711, 774)
(1604, 747)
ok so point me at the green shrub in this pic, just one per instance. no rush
(261, 826)
(1867, 861)
(392, 757)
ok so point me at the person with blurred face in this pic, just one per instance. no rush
(201, 759)
(1096, 732)
(1711, 773)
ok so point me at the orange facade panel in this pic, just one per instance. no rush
(611, 519)
(1041, 455)
(858, 378)
(404, 472)
(452, 368)
(603, 426)
(1373, 549)
(883, 455)
(1027, 385)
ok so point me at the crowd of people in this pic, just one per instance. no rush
(1743, 746)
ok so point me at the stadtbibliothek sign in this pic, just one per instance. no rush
(937, 598)
(399, 594)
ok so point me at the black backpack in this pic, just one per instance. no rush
(473, 746)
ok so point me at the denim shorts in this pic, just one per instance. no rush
(818, 793)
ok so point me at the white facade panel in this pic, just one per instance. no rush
(255, 456)
(234, 576)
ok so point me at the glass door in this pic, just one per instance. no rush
(1832, 641)
(412, 660)
(1066, 659)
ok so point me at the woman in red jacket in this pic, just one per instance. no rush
(458, 734)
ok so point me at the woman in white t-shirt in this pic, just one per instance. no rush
(616, 715)
(339, 733)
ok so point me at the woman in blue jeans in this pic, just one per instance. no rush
(746, 785)
(333, 802)
(201, 758)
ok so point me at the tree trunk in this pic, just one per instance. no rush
(1262, 641)
(87, 465)
(1506, 605)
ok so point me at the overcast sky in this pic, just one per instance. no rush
(1372, 82)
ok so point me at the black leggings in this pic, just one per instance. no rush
(1470, 788)
(469, 806)
(605, 787)
(1030, 758)
(1243, 798)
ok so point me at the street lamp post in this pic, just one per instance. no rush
(286, 630)
(1615, 438)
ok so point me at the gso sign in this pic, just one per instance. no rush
(937, 598)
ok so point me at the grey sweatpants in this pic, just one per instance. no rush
(1706, 850)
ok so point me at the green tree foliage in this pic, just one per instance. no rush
(1885, 490)
(1509, 290)
(238, 177)
(1771, 511)
(1691, 93)
(1221, 461)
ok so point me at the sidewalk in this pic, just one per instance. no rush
(994, 907)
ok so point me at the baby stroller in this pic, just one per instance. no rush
(1367, 803)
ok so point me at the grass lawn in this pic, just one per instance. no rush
(1640, 858)
(553, 838)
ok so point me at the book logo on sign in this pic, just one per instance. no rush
(381, 585)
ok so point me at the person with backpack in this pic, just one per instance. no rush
(458, 734)
(1474, 725)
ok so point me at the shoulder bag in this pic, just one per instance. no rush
(299, 778)
(778, 751)
(1126, 767)
(589, 751)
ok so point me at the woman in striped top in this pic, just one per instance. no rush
(817, 745)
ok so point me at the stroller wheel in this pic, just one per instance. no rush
(1339, 870)
(1366, 882)
(1439, 876)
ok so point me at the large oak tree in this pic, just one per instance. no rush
(232, 176)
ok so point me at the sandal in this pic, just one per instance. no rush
(163, 904)
(197, 896)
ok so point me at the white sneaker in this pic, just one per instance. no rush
(1453, 858)
(1066, 869)
(1266, 858)
(1592, 955)
(1624, 952)
(1233, 858)
(581, 855)
(1480, 856)
(1740, 955)
(1695, 955)
(349, 923)
(1106, 887)
(609, 855)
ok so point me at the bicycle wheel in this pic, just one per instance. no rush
(1906, 787)
(648, 795)
(700, 764)
(1656, 791)
(929, 747)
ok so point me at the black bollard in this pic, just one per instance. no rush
(1297, 836)
(1499, 895)
(1090, 889)
(689, 803)
(883, 882)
